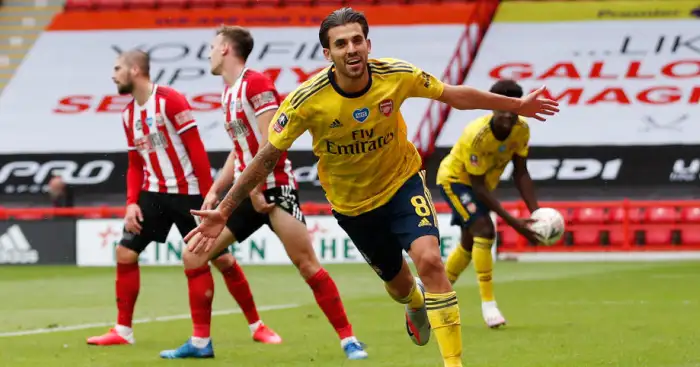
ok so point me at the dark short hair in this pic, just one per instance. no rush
(338, 18)
(239, 37)
(508, 88)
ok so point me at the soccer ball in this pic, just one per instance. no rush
(549, 225)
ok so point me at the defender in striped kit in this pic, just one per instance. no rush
(168, 173)
(249, 102)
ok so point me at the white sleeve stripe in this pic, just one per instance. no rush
(187, 127)
(130, 148)
(270, 107)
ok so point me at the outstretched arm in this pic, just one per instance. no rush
(254, 174)
(463, 97)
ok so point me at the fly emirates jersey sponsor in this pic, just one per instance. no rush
(251, 95)
(153, 130)
(361, 140)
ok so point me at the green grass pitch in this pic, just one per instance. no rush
(559, 315)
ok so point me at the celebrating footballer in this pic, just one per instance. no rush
(370, 170)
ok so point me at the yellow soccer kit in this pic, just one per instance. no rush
(361, 139)
(478, 152)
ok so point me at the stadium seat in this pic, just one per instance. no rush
(171, 4)
(509, 238)
(336, 3)
(297, 2)
(662, 215)
(266, 3)
(140, 4)
(234, 3)
(109, 4)
(586, 236)
(691, 215)
(636, 215)
(590, 216)
(203, 4)
(79, 5)
(690, 235)
(364, 2)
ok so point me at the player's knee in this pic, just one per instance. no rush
(429, 262)
(192, 260)
(307, 264)
(466, 240)
(126, 255)
(483, 227)
(224, 261)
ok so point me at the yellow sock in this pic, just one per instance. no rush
(483, 264)
(457, 261)
(443, 312)
(414, 299)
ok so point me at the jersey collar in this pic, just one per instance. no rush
(331, 77)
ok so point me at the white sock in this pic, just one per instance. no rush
(488, 305)
(348, 340)
(125, 332)
(254, 326)
(200, 342)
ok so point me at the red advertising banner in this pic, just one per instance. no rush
(269, 17)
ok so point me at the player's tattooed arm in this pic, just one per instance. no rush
(255, 173)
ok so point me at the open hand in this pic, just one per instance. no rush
(203, 238)
(533, 105)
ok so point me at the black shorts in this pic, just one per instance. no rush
(160, 212)
(382, 234)
(244, 220)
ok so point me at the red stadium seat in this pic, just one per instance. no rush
(203, 4)
(636, 215)
(586, 237)
(662, 215)
(590, 215)
(337, 3)
(361, 2)
(140, 4)
(235, 3)
(297, 2)
(659, 235)
(691, 215)
(110, 4)
(509, 238)
(79, 5)
(266, 3)
(690, 235)
(171, 4)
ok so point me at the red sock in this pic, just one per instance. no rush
(328, 299)
(239, 288)
(201, 286)
(128, 284)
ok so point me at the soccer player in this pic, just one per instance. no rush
(168, 172)
(250, 100)
(466, 178)
(370, 170)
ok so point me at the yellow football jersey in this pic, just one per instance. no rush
(364, 152)
(478, 152)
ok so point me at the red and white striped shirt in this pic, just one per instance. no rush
(250, 96)
(164, 134)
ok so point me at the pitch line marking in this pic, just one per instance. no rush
(59, 329)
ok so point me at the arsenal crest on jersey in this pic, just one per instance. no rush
(386, 107)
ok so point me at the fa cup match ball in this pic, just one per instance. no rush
(549, 225)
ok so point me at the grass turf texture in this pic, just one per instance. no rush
(581, 314)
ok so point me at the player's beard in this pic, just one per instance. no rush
(126, 88)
